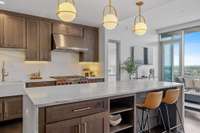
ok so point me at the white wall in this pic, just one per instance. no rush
(128, 39)
(61, 64)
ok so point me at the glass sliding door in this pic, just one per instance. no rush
(171, 68)
(167, 62)
(192, 53)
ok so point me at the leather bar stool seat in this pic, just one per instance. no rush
(151, 102)
(170, 98)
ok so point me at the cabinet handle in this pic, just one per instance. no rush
(82, 109)
(79, 128)
(85, 127)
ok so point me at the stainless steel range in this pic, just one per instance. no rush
(66, 80)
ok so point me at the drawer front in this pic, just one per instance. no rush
(1, 110)
(40, 84)
(63, 112)
(12, 108)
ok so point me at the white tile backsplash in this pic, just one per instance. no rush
(62, 63)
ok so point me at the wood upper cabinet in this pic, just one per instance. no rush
(1, 30)
(32, 30)
(69, 30)
(12, 108)
(68, 126)
(97, 123)
(1, 110)
(13, 31)
(38, 40)
(91, 42)
(45, 41)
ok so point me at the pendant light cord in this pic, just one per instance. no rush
(110, 6)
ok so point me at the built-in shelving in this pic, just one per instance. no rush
(125, 107)
(120, 110)
(120, 128)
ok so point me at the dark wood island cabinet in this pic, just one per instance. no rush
(83, 117)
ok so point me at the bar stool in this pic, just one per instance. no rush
(171, 98)
(152, 102)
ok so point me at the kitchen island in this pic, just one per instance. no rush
(85, 108)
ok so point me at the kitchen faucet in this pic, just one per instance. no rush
(3, 72)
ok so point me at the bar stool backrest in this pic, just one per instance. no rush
(153, 100)
(171, 96)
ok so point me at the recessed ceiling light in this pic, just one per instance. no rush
(2, 2)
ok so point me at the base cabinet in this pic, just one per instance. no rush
(68, 126)
(1, 110)
(97, 123)
(10, 108)
(88, 124)
(83, 117)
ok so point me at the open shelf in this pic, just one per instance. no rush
(117, 110)
(125, 107)
(120, 128)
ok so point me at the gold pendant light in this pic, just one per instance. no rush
(66, 10)
(140, 26)
(110, 19)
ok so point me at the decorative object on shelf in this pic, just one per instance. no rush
(110, 19)
(35, 76)
(115, 119)
(140, 26)
(66, 10)
(129, 66)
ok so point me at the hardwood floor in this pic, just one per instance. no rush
(192, 122)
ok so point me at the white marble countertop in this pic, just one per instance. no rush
(11, 88)
(54, 95)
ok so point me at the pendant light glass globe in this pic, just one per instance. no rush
(110, 19)
(66, 10)
(140, 27)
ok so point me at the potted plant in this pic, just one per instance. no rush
(129, 66)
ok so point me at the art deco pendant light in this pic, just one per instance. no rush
(66, 10)
(110, 19)
(140, 26)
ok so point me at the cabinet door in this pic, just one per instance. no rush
(32, 51)
(12, 108)
(97, 123)
(14, 32)
(45, 41)
(1, 110)
(90, 42)
(1, 30)
(68, 126)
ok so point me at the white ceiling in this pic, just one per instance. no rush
(89, 11)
